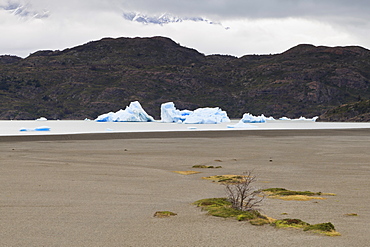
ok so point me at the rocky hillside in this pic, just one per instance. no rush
(106, 75)
(355, 112)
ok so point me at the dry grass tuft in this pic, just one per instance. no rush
(186, 172)
(351, 214)
(297, 198)
(225, 178)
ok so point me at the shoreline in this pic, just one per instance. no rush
(187, 134)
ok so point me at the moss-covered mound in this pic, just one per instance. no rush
(284, 194)
(221, 207)
(321, 228)
(290, 223)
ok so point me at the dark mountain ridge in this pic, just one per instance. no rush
(106, 75)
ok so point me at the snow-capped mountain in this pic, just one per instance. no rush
(24, 11)
(162, 19)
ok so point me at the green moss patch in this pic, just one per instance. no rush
(284, 194)
(290, 223)
(225, 178)
(210, 202)
(322, 228)
(164, 214)
(221, 207)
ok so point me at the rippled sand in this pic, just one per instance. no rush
(103, 189)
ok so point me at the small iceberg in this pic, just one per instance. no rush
(249, 118)
(306, 119)
(41, 128)
(207, 115)
(299, 119)
(133, 113)
(41, 119)
(284, 119)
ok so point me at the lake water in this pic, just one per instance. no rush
(10, 128)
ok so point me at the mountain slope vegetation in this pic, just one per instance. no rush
(106, 75)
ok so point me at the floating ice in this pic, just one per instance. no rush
(207, 116)
(169, 114)
(299, 119)
(306, 119)
(240, 124)
(41, 119)
(133, 113)
(41, 128)
(270, 118)
(284, 119)
(249, 118)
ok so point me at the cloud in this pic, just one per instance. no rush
(226, 9)
(221, 9)
(256, 27)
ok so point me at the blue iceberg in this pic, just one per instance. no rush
(41, 128)
(169, 114)
(133, 113)
(249, 118)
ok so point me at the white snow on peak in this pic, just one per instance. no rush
(133, 113)
(169, 114)
(162, 19)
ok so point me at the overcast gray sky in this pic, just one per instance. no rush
(254, 27)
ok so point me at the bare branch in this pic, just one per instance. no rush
(242, 195)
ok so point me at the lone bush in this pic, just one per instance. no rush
(242, 195)
(221, 207)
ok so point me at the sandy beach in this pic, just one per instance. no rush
(103, 189)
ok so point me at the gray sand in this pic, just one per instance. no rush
(77, 191)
